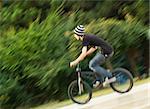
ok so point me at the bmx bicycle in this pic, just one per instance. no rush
(80, 90)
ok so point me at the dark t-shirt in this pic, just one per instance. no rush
(92, 40)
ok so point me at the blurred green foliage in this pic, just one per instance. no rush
(36, 43)
(120, 34)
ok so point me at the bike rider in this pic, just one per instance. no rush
(104, 51)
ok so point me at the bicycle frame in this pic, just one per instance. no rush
(78, 70)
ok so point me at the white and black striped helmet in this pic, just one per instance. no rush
(79, 30)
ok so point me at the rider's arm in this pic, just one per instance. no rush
(82, 55)
(91, 50)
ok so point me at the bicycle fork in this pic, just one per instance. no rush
(80, 85)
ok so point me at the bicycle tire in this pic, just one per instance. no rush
(128, 75)
(73, 86)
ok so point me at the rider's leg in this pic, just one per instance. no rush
(95, 63)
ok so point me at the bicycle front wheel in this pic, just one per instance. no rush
(124, 80)
(81, 96)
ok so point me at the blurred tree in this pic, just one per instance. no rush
(33, 56)
(139, 10)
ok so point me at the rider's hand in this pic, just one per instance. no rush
(73, 63)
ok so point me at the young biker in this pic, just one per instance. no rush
(90, 44)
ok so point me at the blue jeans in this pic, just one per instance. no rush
(94, 65)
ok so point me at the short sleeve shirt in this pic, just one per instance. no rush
(92, 40)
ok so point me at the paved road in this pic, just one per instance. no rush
(137, 98)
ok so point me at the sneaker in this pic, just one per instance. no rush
(96, 84)
(108, 81)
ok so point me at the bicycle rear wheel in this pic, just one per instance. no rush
(124, 80)
(76, 96)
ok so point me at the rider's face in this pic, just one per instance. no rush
(77, 37)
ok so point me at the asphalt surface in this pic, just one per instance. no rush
(137, 98)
